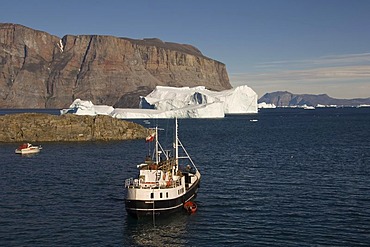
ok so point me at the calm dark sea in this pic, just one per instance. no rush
(293, 178)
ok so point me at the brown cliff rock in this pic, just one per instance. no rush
(39, 70)
(37, 127)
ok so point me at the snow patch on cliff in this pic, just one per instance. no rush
(60, 45)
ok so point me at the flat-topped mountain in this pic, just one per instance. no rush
(283, 98)
(40, 70)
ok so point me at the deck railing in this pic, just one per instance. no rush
(135, 183)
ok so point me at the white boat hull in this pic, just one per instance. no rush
(30, 150)
(146, 208)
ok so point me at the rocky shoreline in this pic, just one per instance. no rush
(39, 127)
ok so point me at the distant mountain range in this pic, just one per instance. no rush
(284, 98)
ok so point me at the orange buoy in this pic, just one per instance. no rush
(190, 207)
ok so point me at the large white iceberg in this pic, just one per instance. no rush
(239, 100)
(185, 102)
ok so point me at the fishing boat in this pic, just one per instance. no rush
(164, 183)
(28, 148)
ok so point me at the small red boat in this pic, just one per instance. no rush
(190, 207)
(27, 148)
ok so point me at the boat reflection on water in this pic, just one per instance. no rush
(169, 231)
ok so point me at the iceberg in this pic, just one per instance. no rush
(264, 105)
(201, 111)
(324, 106)
(103, 109)
(239, 100)
(363, 105)
(85, 107)
(170, 102)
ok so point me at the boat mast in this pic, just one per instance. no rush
(176, 144)
(156, 146)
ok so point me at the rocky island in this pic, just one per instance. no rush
(38, 127)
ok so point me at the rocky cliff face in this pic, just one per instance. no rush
(39, 70)
(37, 127)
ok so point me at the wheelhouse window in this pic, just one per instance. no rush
(152, 195)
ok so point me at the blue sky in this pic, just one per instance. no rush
(301, 46)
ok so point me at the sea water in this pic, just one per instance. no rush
(291, 177)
